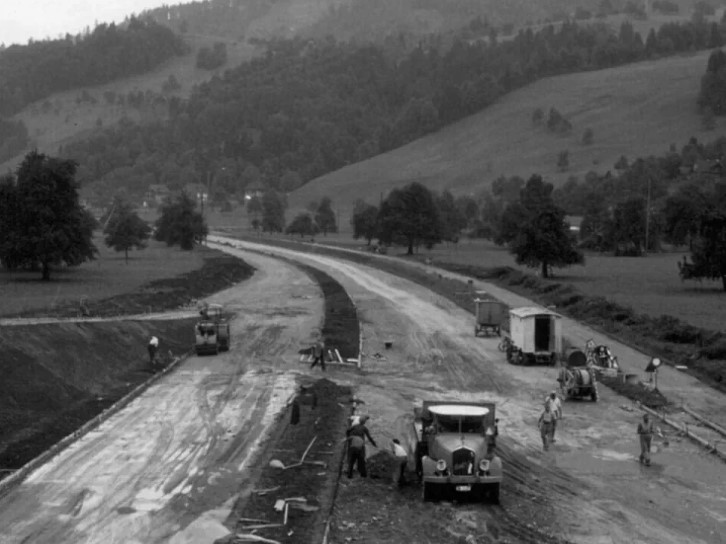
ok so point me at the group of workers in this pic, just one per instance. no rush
(356, 437)
(552, 413)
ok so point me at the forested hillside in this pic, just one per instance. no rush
(308, 107)
(34, 71)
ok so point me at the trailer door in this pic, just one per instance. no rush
(542, 332)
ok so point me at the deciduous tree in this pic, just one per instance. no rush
(273, 212)
(364, 221)
(43, 221)
(303, 225)
(125, 230)
(180, 223)
(535, 229)
(325, 217)
(410, 215)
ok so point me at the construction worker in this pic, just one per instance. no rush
(318, 355)
(357, 447)
(153, 348)
(556, 409)
(546, 425)
(645, 434)
(401, 460)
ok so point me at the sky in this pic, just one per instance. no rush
(21, 20)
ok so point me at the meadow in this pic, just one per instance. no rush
(107, 276)
(649, 285)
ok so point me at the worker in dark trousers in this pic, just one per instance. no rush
(645, 434)
(546, 426)
(153, 349)
(357, 447)
(318, 355)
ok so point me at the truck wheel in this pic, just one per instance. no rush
(593, 395)
(494, 493)
(430, 492)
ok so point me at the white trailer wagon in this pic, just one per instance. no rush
(535, 336)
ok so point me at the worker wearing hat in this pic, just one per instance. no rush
(556, 407)
(357, 446)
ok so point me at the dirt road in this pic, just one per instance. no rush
(588, 489)
(168, 467)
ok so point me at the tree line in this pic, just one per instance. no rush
(34, 71)
(310, 107)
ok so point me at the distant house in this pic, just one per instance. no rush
(197, 191)
(574, 221)
(708, 166)
(156, 194)
(255, 190)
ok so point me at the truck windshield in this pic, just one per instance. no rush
(447, 424)
(472, 425)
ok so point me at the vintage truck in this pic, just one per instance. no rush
(535, 336)
(212, 331)
(455, 449)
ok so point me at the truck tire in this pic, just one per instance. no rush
(430, 492)
(494, 493)
(593, 394)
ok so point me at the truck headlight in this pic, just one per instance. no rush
(484, 465)
(441, 466)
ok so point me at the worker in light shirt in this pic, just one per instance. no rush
(401, 460)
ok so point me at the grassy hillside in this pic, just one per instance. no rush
(635, 110)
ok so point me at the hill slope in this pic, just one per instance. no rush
(635, 110)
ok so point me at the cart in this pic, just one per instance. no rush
(490, 315)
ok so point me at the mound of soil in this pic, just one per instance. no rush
(322, 414)
(58, 376)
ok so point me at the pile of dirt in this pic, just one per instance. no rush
(58, 376)
(341, 329)
(321, 413)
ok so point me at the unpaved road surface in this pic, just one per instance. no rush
(168, 467)
(589, 488)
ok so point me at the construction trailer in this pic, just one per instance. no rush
(535, 334)
(490, 313)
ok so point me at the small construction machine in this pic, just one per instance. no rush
(212, 333)
(490, 314)
(577, 379)
(601, 360)
(456, 449)
(535, 336)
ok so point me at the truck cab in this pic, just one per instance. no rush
(456, 450)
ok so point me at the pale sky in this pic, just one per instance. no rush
(41, 19)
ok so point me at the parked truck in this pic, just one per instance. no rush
(212, 333)
(456, 449)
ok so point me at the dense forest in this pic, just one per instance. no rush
(309, 107)
(35, 71)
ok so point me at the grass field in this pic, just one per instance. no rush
(635, 110)
(107, 276)
(649, 285)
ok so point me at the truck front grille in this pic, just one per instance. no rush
(463, 462)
